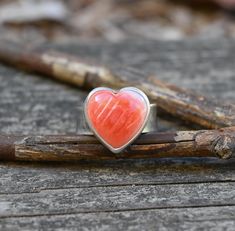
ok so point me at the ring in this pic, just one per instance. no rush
(117, 118)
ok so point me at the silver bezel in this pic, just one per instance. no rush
(136, 90)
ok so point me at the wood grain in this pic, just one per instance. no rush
(30, 104)
(111, 198)
(210, 218)
(34, 177)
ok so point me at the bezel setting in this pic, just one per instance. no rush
(92, 128)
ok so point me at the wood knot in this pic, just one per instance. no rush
(224, 146)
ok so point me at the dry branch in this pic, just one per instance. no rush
(203, 143)
(179, 102)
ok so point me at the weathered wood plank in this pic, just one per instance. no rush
(34, 177)
(47, 107)
(210, 218)
(41, 110)
(179, 102)
(112, 198)
(196, 65)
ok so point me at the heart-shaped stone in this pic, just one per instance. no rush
(117, 118)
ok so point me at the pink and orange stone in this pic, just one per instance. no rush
(116, 117)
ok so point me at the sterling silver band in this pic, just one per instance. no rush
(150, 126)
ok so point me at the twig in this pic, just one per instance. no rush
(203, 143)
(179, 102)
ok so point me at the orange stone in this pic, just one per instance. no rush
(116, 117)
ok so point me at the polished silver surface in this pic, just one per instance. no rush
(151, 124)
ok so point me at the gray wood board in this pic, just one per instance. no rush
(136, 195)
(116, 198)
(210, 218)
(34, 177)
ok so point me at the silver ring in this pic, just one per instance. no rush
(117, 118)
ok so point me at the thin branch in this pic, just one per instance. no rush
(202, 143)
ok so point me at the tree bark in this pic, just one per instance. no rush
(203, 143)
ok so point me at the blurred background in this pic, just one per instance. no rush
(38, 21)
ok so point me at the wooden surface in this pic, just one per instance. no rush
(166, 194)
